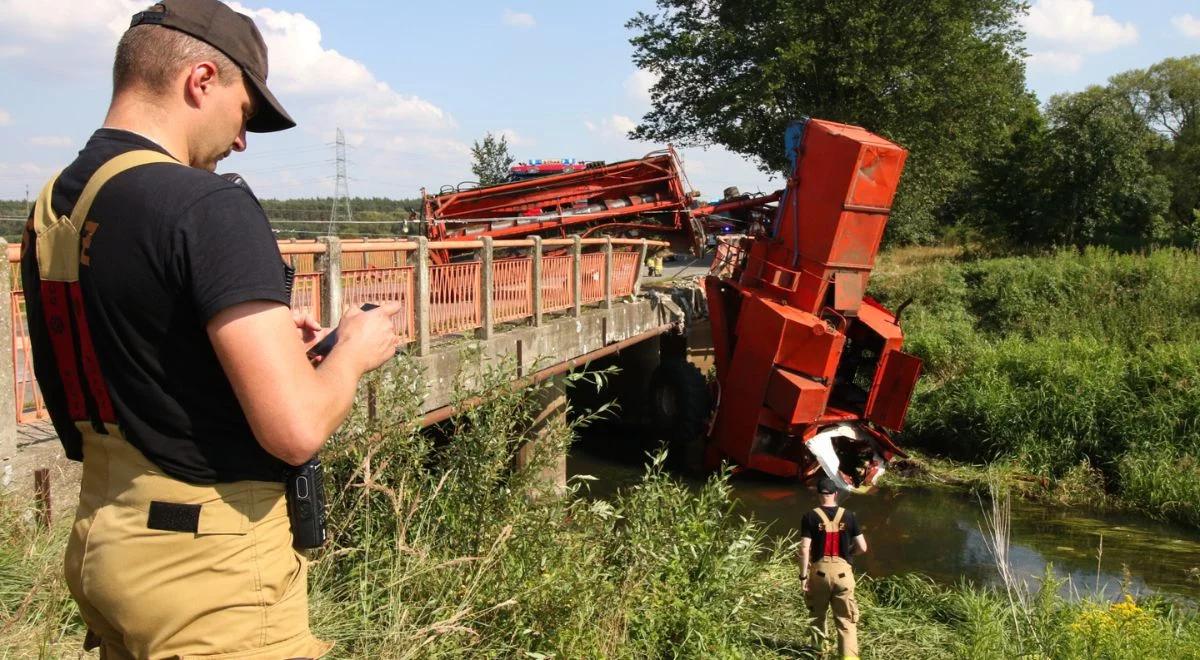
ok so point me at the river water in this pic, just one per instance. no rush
(937, 531)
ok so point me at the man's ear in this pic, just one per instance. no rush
(201, 78)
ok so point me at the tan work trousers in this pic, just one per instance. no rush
(235, 588)
(831, 586)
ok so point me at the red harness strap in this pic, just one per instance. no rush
(833, 532)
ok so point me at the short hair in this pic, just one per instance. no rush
(153, 55)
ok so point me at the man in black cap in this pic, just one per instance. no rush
(829, 536)
(169, 359)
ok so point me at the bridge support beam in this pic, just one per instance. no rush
(542, 451)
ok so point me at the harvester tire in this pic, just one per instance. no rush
(679, 410)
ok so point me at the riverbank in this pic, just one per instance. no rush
(442, 549)
(1076, 369)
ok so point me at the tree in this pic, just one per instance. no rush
(491, 160)
(943, 78)
(1167, 98)
(1078, 175)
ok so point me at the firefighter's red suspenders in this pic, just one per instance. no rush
(833, 532)
(59, 242)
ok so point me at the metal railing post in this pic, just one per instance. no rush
(535, 255)
(577, 276)
(641, 268)
(608, 272)
(331, 280)
(422, 309)
(487, 290)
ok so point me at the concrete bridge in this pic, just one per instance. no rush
(549, 305)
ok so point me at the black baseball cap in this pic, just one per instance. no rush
(826, 486)
(234, 34)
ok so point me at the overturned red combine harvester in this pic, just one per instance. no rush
(810, 375)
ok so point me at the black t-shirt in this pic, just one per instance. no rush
(171, 247)
(812, 527)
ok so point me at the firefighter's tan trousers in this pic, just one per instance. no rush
(232, 589)
(831, 585)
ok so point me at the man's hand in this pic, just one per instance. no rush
(311, 331)
(368, 337)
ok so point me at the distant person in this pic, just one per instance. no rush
(829, 536)
(170, 362)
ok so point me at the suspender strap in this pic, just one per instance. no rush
(824, 518)
(59, 239)
(833, 532)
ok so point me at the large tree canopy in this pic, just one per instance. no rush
(1167, 98)
(1078, 175)
(944, 78)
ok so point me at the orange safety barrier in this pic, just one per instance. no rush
(375, 271)
(306, 294)
(592, 265)
(454, 297)
(558, 285)
(29, 403)
(376, 285)
(625, 272)
(512, 293)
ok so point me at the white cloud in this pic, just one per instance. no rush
(1074, 25)
(1056, 61)
(32, 171)
(612, 126)
(51, 141)
(515, 139)
(342, 91)
(638, 85)
(1187, 24)
(73, 41)
(5, 118)
(518, 19)
(621, 123)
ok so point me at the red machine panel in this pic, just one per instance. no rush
(795, 398)
(895, 380)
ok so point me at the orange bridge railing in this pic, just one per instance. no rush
(445, 289)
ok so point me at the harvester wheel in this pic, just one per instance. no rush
(679, 410)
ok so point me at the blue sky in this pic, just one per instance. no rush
(412, 84)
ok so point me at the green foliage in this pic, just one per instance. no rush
(491, 160)
(1167, 98)
(1074, 359)
(1080, 175)
(944, 79)
(307, 218)
(442, 545)
(36, 610)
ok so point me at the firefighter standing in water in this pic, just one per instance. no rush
(829, 536)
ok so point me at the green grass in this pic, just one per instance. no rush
(445, 546)
(1079, 367)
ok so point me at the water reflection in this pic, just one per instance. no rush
(937, 532)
